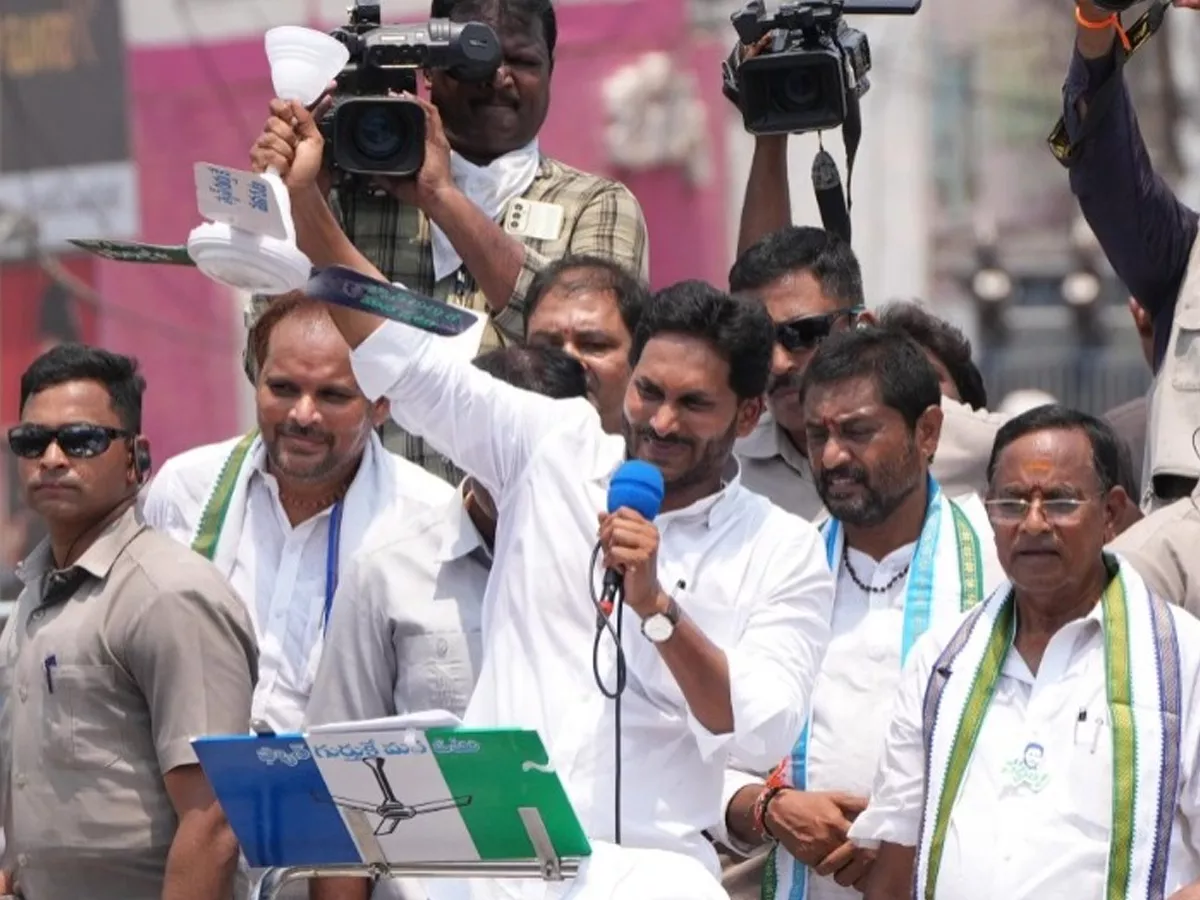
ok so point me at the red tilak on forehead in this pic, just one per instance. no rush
(1039, 467)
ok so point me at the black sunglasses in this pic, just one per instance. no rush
(79, 440)
(805, 332)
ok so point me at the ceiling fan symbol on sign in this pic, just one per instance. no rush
(391, 810)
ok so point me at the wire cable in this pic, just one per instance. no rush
(604, 623)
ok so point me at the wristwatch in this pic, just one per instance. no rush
(660, 626)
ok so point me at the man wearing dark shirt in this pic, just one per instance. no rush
(1145, 232)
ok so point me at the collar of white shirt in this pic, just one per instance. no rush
(461, 538)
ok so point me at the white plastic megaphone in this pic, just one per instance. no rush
(303, 62)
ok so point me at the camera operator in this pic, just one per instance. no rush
(1147, 234)
(453, 231)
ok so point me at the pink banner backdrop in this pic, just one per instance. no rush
(207, 103)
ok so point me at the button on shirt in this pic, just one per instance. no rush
(110, 668)
(283, 568)
(756, 583)
(1008, 845)
(280, 571)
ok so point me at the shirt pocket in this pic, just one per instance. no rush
(1088, 776)
(1185, 374)
(436, 670)
(83, 718)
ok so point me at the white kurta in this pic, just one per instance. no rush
(756, 583)
(280, 570)
(1011, 843)
(856, 688)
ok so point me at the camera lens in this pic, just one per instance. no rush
(378, 134)
(800, 90)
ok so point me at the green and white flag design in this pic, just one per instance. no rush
(447, 794)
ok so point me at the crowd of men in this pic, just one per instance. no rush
(886, 642)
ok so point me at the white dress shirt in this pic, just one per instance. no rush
(857, 684)
(1006, 844)
(279, 570)
(756, 584)
(404, 636)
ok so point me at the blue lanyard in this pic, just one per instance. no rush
(331, 562)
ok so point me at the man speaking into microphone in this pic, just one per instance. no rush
(726, 597)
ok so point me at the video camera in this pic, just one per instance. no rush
(815, 64)
(368, 132)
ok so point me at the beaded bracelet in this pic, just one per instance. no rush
(761, 805)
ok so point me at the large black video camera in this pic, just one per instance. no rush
(368, 132)
(815, 63)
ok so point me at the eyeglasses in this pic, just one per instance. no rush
(79, 440)
(1013, 510)
(806, 332)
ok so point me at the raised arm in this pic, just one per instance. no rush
(1144, 230)
(486, 427)
(767, 206)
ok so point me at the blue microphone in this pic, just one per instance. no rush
(636, 485)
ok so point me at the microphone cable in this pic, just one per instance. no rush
(604, 622)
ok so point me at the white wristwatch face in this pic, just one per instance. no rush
(657, 628)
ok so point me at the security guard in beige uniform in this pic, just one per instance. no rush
(1164, 548)
(123, 646)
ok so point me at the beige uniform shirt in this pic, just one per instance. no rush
(1164, 548)
(108, 669)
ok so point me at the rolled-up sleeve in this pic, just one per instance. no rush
(773, 667)
(893, 813)
(193, 655)
(735, 779)
(1145, 232)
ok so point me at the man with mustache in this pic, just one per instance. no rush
(725, 596)
(590, 307)
(488, 209)
(1044, 745)
(281, 509)
(122, 647)
(905, 555)
(811, 284)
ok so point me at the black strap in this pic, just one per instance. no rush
(834, 204)
(1061, 145)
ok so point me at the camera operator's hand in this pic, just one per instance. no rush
(434, 177)
(291, 144)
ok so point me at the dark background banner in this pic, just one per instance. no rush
(62, 84)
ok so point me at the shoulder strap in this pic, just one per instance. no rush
(213, 517)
